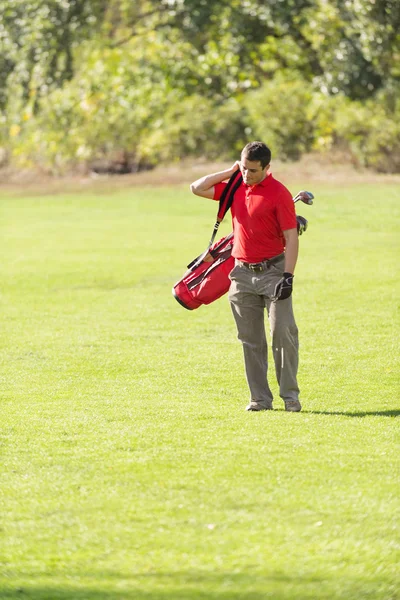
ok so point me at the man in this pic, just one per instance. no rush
(265, 250)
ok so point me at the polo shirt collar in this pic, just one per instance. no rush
(266, 180)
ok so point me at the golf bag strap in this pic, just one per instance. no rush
(226, 200)
(225, 203)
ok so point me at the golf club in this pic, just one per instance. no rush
(306, 197)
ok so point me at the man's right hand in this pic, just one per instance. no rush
(235, 167)
(205, 185)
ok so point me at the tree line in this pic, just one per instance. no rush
(130, 84)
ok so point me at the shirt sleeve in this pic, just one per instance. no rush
(218, 189)
(285, 211)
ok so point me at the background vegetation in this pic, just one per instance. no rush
(131, 84)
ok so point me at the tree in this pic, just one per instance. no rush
(37, 42)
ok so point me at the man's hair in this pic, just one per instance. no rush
(257, 151)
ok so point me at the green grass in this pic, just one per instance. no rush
(129, 468)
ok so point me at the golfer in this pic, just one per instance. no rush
(265, 250)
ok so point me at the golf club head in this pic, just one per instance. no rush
(306, 197)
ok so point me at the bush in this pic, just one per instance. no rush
(280, 113)
(120, 114)
(372, 132)
(115, 115)
(195, 127)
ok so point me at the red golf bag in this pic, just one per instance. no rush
(208, 281)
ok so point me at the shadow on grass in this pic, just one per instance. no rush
(135, 594)
(196, 586)
(362, 413)
(196, 589)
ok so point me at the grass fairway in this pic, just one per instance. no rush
(129, 467)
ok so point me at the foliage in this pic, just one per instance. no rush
(83, 80)
(372, 131)
(128, 103)
(196, 127)
(279, 111)
(358, 45)
(37, 40)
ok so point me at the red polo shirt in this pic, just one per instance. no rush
(260, 214)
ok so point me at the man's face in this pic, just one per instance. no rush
(252, 171)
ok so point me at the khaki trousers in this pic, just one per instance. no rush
(249, 294)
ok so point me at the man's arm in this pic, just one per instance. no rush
(291, 250)
(205, 185)
(283, 288)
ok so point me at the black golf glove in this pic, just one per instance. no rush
(284, 287)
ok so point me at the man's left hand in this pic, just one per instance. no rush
(284, 287)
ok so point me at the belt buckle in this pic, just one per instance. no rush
(256, 267)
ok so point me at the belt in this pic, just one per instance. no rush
(263, 265)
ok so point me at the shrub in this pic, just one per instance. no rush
(371, 131)
(195, 126)
(280, 114)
